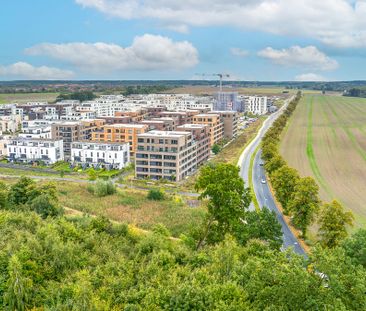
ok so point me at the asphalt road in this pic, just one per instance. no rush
(265, 200)
(261, 190)
(244, 160)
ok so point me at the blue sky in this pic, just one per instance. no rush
(171, 39)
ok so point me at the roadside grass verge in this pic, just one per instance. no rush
(250, 179)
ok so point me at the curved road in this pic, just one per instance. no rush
(261, 190)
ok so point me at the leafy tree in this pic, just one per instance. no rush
(269, 150)
(274, 164)
(17, 293)
(103, 188)
(333, 223)
(262, 225)
(304, 203)
(45, 206)
(228, 198)
(355, 247)
(216, 148)
(19, 192)
(284, 181)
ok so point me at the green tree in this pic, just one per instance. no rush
(269, 150)
(284, 181)
(262, 225)
(274, 164)
(45, 206)
(16, 295)
(216, 148)
(3, 195)
(228, 198)
(355, 247)
(333, 221)
(19, 192)
(304, 203)
(92, 174)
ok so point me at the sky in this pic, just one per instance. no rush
(263, 40)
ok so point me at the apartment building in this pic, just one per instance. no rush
(37, 132)
(216, 126)
(165, 155)
(201, 135)
(27, 150)
(227, 101)
(256, 104)
(10, 124)
(120, 133)
(70, 131)
(100, 155)
(230, 121)
(182, 117)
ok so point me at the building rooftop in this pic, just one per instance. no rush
(164, 134)
(128, 125)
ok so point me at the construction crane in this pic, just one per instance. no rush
(220, 75)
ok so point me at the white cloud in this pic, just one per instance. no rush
(296, 56)
(22, 70)
(239, 52)
(309, 77)
(340, 23)
(147, 52)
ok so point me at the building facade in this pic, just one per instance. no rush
(100, 155)
(120, 133)
(215, 124)
(165, 155)
(26, 150)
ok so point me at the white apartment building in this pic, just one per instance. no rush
(10, 124)
(36, 132)
(256, 104)
(103, 155)
(31, 150)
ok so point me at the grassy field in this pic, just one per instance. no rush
(326, 139)
(202, 90)
(133, 207)
(27, 97)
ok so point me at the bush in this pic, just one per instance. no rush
(155, 194)
(103, 188)
(45, 206)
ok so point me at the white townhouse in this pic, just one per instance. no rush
(102, 155)
(31, 150)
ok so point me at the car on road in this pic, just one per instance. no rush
(263, 181)
(261, 163)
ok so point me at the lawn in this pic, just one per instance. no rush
(326, 139)
(132, 207)
(27, 97)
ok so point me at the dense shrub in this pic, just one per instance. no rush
(103, 188)
(156, 195)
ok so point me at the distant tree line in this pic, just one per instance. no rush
(144, 89)
(299, 196)
(82, 96)
(355, 92)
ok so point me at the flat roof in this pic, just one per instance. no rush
(164, 134)
(207, 115)
(190, 126)
(128, 125)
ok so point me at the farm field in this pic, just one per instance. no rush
(203, 90)
(27, 97)
(326, 139)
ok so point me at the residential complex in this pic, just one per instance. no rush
(167, 135)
